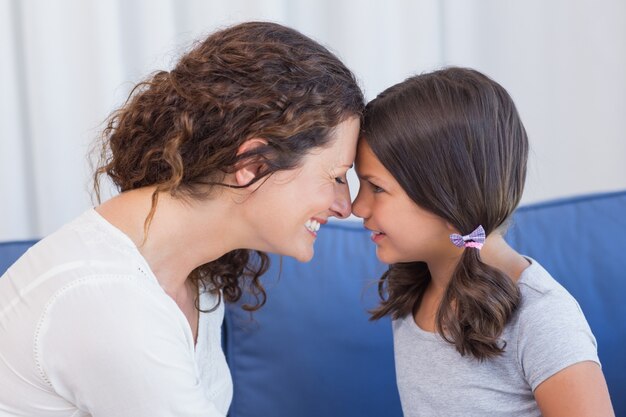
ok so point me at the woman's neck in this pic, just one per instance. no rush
(181, 236)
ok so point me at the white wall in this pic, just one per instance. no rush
(68, 63)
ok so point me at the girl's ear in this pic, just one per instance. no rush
(247, 169)
(451, 228)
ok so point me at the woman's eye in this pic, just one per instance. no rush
(340, 180)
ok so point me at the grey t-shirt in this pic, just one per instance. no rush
(546, 334)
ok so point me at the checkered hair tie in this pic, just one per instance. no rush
(476, 239)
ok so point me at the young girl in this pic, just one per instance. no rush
(241, 149)
(479, 330)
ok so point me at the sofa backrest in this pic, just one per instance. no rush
(580, 241)
(311, 351)
(10, 251)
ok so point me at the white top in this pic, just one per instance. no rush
(546, 334)
(86, 330)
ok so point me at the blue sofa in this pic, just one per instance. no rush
(311, 351)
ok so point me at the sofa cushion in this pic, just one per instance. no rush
(311, 351)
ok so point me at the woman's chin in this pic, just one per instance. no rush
(303, 253)
(299, 253)
(305, 256)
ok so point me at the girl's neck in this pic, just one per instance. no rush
(440, 274)
(496, 253)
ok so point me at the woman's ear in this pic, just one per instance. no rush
(248, 169)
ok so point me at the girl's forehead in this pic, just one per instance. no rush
(365, 156)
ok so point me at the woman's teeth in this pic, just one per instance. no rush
(312, 225)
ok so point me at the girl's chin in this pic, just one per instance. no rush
(385, 257)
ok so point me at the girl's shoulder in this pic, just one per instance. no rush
(549, 330)
(538, 286)
(545, 304)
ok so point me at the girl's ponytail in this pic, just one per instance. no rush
(474, 310)
(476, 306)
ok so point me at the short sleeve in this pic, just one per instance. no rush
(112, 347)
(553, 334)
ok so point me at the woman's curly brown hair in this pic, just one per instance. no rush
(180, 130)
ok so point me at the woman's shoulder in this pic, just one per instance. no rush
(86, 246)
(106, 296)
(88, 235)
(81, 259)
(107, 324)
(118, 308)
(114, 294)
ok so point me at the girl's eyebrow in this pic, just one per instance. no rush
(367, 177)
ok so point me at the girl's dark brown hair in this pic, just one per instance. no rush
(180, 130)
(455, 143)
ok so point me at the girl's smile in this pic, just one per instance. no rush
(401, 230)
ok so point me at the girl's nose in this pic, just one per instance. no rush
(360, 206)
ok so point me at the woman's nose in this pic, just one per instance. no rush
(342, 206)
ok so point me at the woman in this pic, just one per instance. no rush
(241, 149)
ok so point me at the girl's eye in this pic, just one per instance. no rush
(340, 180)
(375, 188)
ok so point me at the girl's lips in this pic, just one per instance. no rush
(377, 237)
